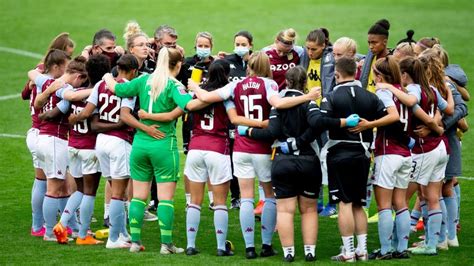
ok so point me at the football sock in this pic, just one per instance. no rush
(414, 217)
(289, 251)
(87, 208)
(362, 243)
(50, 210)
(37, 198)
(309, 249)
(457, 190)
(268, 220)
(126, 210)
(221, 223)
(348, 242)
(69, 213)
(247, 221)
(368, 198)
(193, 217)
(261, 193)
(451, 207)
(424, 214)
(434, 227)
(444, 220)
(402, 229)
(385, 226)
(210, 196)
(165, 220)
(106, 210)
(116, 218)
(135, 214)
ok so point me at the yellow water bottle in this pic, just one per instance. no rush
(102, 233)
(196, 74)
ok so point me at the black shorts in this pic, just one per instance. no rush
(296, 176)
(347, 177)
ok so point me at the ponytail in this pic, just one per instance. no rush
(416, 70)
(168, 58)
(54, 57)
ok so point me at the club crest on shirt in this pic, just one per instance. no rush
(181, 89)
(232, 66)
(274, 87)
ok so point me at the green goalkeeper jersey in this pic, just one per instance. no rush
(173, 95)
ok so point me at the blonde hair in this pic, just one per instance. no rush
(443, 54)
(206, 35)
(406, 48)
(259, 65)
(132, 31)
(348, 44)
(168, 58)
(435, 70)
(287, 36)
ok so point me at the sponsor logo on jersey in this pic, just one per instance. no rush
(280, 67)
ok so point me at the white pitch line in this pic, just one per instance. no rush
(20, 52)
(15, 136)
(466, 178)
(11, 96)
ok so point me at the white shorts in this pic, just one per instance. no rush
(201, 165)
(52, 155)
(431, 166)
(114, 156)
(392, 171)
(31, 142)
(82, 162)
(248, 165)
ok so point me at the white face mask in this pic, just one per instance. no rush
(203, 52)
(241, 50)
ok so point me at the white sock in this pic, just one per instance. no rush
(106, 210)
(309, 249)
(362, 244)
(188, 198)
(211, 196)
(289, 250)
(261, 193)
(348, 242)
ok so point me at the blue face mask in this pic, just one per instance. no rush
(203, 52)
(241, 50)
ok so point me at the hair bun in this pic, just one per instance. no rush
(383, 23)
